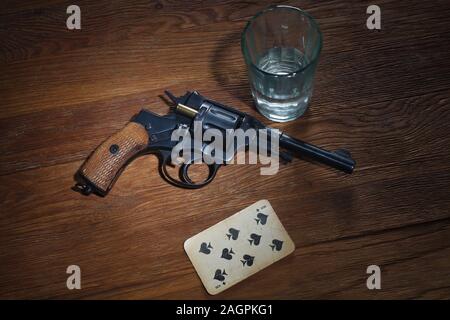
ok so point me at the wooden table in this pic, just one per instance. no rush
(383, 94)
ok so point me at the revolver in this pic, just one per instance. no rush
(148, 132)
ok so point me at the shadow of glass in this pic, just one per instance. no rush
(228, 68)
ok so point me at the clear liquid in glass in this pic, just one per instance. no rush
(282, 93)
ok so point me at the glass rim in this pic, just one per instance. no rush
(271, 8)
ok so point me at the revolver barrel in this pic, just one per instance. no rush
(340, 159)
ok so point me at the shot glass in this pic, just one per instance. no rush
(281, 47)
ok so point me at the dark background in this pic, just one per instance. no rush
(382, 94)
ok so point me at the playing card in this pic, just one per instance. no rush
(239, 246)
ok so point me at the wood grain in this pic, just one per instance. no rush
(383, 95)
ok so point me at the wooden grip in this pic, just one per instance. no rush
(104, 164)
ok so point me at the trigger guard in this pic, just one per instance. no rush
(166, 176)
(185, 181)
(184, 175)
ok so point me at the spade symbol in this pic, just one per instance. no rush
(261, 217)
(248, 260)
(276, 244)
(233, 233)
(220, 275)
(254, 239)
(205, 248)
(227, 254)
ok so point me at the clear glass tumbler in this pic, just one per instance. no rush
(281, 47)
